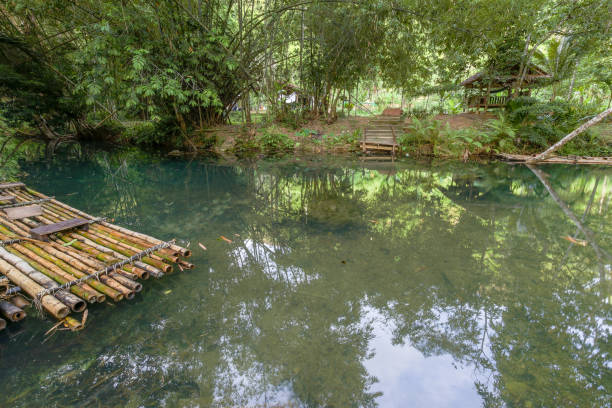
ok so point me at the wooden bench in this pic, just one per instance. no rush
(41, 233)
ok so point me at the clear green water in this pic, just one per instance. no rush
(347, 284)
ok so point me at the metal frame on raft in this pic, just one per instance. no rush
(64, 259)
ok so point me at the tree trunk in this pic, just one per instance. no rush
(569, 137)
(570, 93)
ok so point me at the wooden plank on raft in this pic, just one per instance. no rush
(10, 185)
(41, 233)
(7, 198)
(17, 213)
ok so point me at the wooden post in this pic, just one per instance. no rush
(487, 97)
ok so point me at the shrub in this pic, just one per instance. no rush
(274, 142)
(541, 124)
(501, 134)
(458, 140)
(163, 132)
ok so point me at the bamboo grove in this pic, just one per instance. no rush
(66, 67)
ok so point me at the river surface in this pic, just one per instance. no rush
(346, 284)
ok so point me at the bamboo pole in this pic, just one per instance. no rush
(43, 266)
(20, 301)
(134, 250)
(67, 265)
(11, 312)
(186, 265)
(49, 303)
(70, 300)
(46, 260)
(2, 324)
(73, 324)
(152, 270)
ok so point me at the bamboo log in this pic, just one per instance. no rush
(11, 312)
(2, 324)
(128, 283)
(73, 324)
(106, 286)
(70, 300)
(20, 302)
(134, 250)
(125, 252)
(11, 185)
(54, 273)
(156, 273)
(49, 303)
(186, 265)
(104, 258)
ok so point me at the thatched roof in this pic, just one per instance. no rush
(534, 74)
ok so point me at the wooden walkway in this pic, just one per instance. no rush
(382, 133)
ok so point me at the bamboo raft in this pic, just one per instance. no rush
(61, 259)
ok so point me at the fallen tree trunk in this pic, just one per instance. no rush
(566, 139)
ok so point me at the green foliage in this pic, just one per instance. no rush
(541, 124)
(246, 145)
(149, 60)
(274, 142)
(162, 133)
(346, 137)
(422, 131)
(29, 91)
(501, 133)
(305, 132)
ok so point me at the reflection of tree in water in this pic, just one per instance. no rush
(472, 308)
(459, 261)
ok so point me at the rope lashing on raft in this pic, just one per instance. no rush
(24, 203)
(96, 275)
(11, 241)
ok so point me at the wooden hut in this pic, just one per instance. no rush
(486, 92)
(293, 96)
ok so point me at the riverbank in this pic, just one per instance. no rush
(458, 136)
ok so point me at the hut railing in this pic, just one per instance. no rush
(494, 101)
